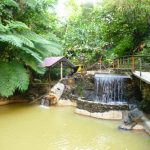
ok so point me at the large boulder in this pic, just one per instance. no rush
(55, 93)
(132, 119)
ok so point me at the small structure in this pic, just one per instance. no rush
(57, 90)
(62, 62)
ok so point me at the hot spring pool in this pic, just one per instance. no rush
(30, 127)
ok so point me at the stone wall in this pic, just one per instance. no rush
(77, 86)
(145, 94)
(91, 106)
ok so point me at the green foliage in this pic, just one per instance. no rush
(17, 25)
(145, 105)
(125, 23)
(11, 3)
(119, 26)
(22, 45)
(146, 49)
(82, 36)
(13, 76)
(124, 44)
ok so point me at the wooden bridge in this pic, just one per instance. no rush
(139, 65)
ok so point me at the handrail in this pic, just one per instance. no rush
(126, 56)
(133, 62)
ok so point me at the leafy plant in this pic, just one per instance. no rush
(13, 76)
(21, 47)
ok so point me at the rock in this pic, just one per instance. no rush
(96, 115)
(66, 103)
(58, 89)
(82, 112)
(117, 115)
(125, 127)
(51, 97)
(138, 127)
(132, 119)
(146, 124)
(129, 127)
(55, 93)
(110, 115)
(133, 116)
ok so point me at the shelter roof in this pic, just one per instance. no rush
(52, 61)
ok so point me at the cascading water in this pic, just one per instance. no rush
(109, 88)
(45, 102)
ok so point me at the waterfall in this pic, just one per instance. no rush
(109, 88)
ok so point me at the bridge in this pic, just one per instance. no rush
(138, 65)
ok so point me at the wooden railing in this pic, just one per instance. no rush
(133, 62)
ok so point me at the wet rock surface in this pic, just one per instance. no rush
(84, 86)
(132, 119)
(99, 107)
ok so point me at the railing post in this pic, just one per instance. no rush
(128, 59)
(122, 65)
(61, 70)
(133, 63)
(118, 63)
(140, 59)
(49, 77)
(114, 64)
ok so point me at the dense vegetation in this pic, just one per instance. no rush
(25, 40)
(30, 31)
(108, 29)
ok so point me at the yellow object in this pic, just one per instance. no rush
(79, 69)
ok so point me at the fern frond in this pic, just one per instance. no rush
(10, 3)
(51, 37)
(2, 28)
(48, 49)
(12, 76)
(11, 39)
(21, 76)
(17, 25)
(32, 3)
(147, 41)
(45, 47)
(33, 64)
(22, 43)
(34, 37)
(32, 53)
(16, 40)
(25, 41)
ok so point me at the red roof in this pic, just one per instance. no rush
(51, 61)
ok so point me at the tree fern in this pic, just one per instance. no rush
(33, 54)
(17, 25)
(49, 49)
(12, 76)
(11, 39)
(31, 3)
(46, 47)
(34, 37)
(32, 63)
(2, 28)
(20, 44)
(11, 3)
(25, 41)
